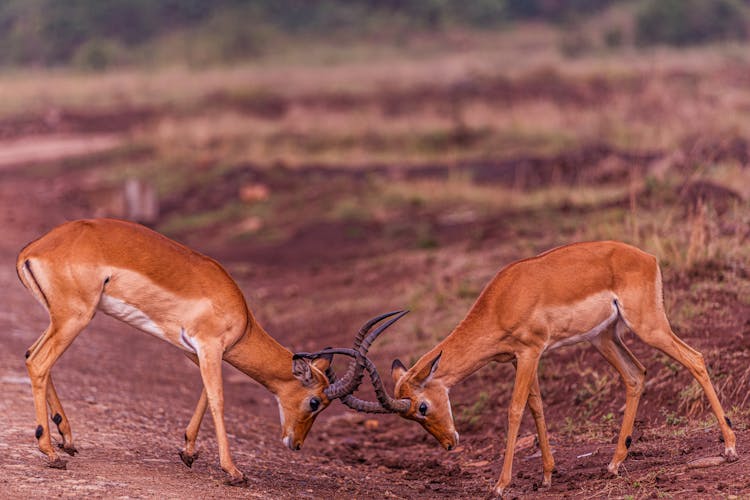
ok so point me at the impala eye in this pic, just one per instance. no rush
(423, 409)
(314, 404)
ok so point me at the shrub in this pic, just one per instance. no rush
(688, 22)
(98, 55)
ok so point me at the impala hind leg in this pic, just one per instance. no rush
(633, 374)
(210, 358)
(525, 375)
(666, 341)
(57, 412)
(46, 351)
(60, 420)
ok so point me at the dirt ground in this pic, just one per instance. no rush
(129, 396)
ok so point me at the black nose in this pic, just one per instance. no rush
(450, 447)
(298, 446)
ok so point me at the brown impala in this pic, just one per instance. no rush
(178, 295)
(585, 291)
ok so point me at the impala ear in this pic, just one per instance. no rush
(302, 371)
(397, 370)
(323, 361)
(433, 368)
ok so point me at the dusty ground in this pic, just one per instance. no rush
(129, 396)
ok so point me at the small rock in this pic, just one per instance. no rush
(706, 462)
(250, 193)
(250, 225)
(371, 424)
(478, 463)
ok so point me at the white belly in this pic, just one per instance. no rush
(579, 312)
(131, 315)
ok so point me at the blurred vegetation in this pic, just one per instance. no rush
(690, 22)
(97, 34)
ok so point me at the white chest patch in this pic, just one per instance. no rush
(281, 413)
(130, 315)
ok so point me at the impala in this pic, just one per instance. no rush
(178, 295)
(581, 292)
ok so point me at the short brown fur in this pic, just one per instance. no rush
(180, 292)
(596, 288)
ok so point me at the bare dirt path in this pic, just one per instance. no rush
(129, 397)
(53, 147)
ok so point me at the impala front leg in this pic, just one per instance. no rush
(525, 374)
(210, 357)
(535, 405)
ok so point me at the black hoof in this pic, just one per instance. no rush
(236, 481)
(58, 463)
(188, 459)
(70, 450)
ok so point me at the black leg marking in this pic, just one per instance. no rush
(186, 437)
(57, 419)
(39, 431)
(628, 441)
(729, 422)
(28, 353)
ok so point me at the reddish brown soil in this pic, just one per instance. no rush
(129, 396)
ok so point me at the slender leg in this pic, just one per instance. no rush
(60, 419)
(535, 406)
(525, 374)
(210, 357)
(537, 411)
(47, 350)
(56, 409)
(649, 321)
(188, 454)
(666, 341)
(633, 375)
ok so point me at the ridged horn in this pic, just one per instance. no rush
(388, 403)
(353, 376)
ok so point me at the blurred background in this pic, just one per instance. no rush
(344, 158)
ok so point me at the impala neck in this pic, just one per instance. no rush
(468, 348)
(262, 358)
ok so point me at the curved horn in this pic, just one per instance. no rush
(362, 344)
(355, 403)
(353, 376)
(388, 403)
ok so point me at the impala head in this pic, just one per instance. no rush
(427, 398)
(300, 404)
